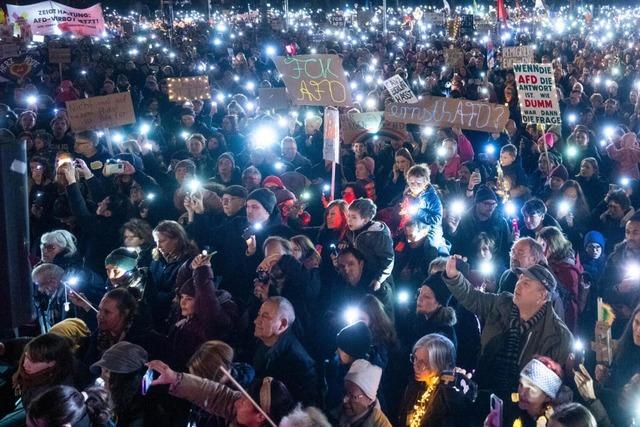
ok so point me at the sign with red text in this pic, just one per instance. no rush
(331, 146)
(443, 112)
(315, 80)
(537, 94)
(50, 18)
(101, 112)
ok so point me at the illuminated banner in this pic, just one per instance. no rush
(315, 79)
(188, 88)
(51, 18)
(537, 94)
(447, 112)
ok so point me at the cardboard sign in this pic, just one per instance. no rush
(315, 80)
(331, 146)
(337, 21)
(9, 49)
(273, 97)
(18, 67)
(370, 127)
(188, 88)
(101, 112)
(516, 54)
(435, 19)
(447, 112)
(454, 58)
(399, 90)
(50, 18)
(537, 94)
(60, 55)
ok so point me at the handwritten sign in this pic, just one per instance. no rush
(60, 55)
(466, 24)
(9, 49)
(188, 88)
(18, 67)
(369, 127)
(315, 79)
(516, 54)
(537, 94)
(273, 97)
(331, 146)
(101, 112)
(454, 57)
(399, 90)
(447, 112)
(337, 21)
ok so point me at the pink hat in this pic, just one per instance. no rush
(272, 181)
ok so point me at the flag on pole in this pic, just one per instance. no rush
(503, 16)
(447, 7)
(539, 5)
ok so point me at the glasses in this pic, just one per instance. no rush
(352, 397)
(227, 200)
(417, 363)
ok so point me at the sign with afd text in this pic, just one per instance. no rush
(516, 54)
(537, 94)
(443, 112)
(50, 18)
(101, 112)
(315, 80)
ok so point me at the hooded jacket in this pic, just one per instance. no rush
(375, 242)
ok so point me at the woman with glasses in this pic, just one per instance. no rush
(439, 394)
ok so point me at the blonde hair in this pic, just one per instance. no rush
(208, 359)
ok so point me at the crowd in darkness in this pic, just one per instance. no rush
(193, 269)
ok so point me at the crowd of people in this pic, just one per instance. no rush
(201, 267)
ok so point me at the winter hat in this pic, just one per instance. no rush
(187, 112)
(188, 165)
(272, 180)
(122, 358)
(282, 195)
(484, 193)
(355, 339)
(594, 237)
(236, 191)
(123, 258)
(560, 172)
(73, 328)
(542, 377)
(369, 164)
(366, 376)
(227, 155)
(581, 128)
(265, 197)
(437, 286)
(188, 288)
(541, 274)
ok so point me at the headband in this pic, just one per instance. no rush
(265, 394)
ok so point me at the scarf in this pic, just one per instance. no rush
(106, 339)
(506, 363)
(23, 381)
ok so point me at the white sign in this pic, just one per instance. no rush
(51, 18)
(517, 54)
(537, 94)
(400, 90)
(331, 146)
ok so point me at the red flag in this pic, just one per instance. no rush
(502, 12)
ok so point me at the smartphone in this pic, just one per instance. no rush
(247, 233)
(146, 381)
(496, 405)
(209, 254)
(114, 168)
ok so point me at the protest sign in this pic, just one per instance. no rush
(454, 57)
(315, 79)
(9, 49)
(273, 97)
(331, 146)
(51, 18)
(516, 54)
(466, 25)
(60, 55)
(19, 67)
(188, 88)
(447, 112)
(337, 21)
(537, 94)
(370, 127)
(101, 112)
(399, 90)
(435, 19)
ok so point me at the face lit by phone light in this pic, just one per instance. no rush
(187, 305)
(632, 235)
(530, 398)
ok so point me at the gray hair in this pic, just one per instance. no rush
(48, 271)
(285, 309)
(441, 351)
(288, 139)
(537, 252)
(308, 417)
(61, 238)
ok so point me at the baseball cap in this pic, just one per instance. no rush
(541, 274)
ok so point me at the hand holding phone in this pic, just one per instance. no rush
(147, 379)
(496, 405)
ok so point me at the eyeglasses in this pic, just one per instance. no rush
(417, 363)
(352, 397)
(226, 200)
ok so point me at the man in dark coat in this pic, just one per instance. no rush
(280, 354)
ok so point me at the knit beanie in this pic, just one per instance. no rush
(123, 258)
(188, 165)
(560, 172)
(438, 287)
(355, 339)
(369, 164)
(227, 155)
(282, 195)
(265, 197)
(73, 328)
(484, 193)
(272, 180)
(594, 237)
(188, 288)
(236, 191)
(542, 377)
(366, 376)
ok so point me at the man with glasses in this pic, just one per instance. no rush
(483, 217)
(535, 217)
